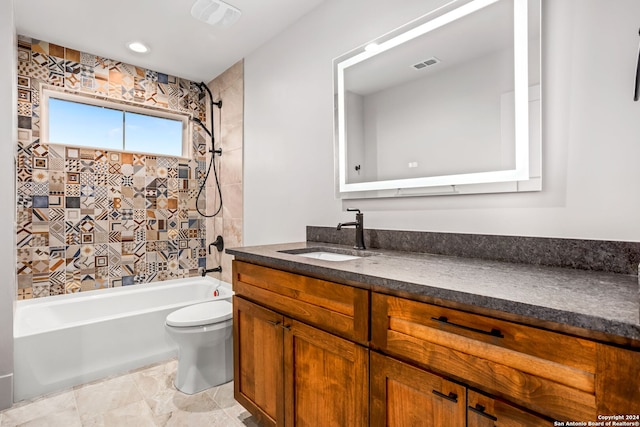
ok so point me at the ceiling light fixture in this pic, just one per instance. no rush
(138, 47)
(215, 12)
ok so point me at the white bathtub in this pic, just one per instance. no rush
(66, 340)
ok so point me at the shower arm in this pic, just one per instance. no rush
(217, 104)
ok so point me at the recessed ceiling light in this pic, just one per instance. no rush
(138, 47)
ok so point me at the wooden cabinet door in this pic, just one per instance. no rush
(258, 362)
(326, 378)
(484, 411)
(405, 396)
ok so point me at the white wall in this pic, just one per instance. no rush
(433, 119)
(8, 99)
(591, 130)
(359, 155)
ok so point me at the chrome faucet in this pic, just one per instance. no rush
(358, 224)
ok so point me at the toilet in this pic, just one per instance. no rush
(203, 333)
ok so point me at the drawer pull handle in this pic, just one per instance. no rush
(451, 396)
(494, 332)
(273, 322)
(479, 409)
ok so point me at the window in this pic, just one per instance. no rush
(78, 120)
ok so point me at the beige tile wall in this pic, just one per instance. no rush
(228, 123)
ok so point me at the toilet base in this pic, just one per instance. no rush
(205, 367)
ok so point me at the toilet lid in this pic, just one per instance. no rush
(201, 314)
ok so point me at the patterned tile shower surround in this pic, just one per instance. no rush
(88, 218)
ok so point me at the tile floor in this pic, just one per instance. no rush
(144, 397)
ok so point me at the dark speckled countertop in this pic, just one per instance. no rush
(592, 300)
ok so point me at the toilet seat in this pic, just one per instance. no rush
(201, 314)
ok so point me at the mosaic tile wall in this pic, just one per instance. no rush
(90, 219)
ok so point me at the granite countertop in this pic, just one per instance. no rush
(597, 301)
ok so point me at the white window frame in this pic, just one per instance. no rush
(48, 93)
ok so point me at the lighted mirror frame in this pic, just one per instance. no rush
(521, 93)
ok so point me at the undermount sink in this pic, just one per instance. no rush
(328, 254)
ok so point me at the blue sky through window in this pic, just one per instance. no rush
(75, 123)
(153, 134)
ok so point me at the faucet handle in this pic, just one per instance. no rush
(353, 210)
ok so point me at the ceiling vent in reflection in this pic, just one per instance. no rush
(426, 63)
(215, 12)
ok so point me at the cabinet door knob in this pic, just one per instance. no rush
(479, 409)
(451, 396)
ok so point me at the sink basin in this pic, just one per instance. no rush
(329, 256)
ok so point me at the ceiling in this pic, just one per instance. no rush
(180, 45)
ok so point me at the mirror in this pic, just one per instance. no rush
(448, 104)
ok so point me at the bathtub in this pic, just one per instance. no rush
(67, 340)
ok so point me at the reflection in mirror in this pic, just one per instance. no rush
(449, 104)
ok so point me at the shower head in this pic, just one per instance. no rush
(199, 122)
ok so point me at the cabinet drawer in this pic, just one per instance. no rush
(548, 372)
(484, 411)
(340, 309)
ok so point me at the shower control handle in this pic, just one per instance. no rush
(218, 243)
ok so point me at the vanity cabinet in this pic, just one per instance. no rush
(290, 372)
(314, 352)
